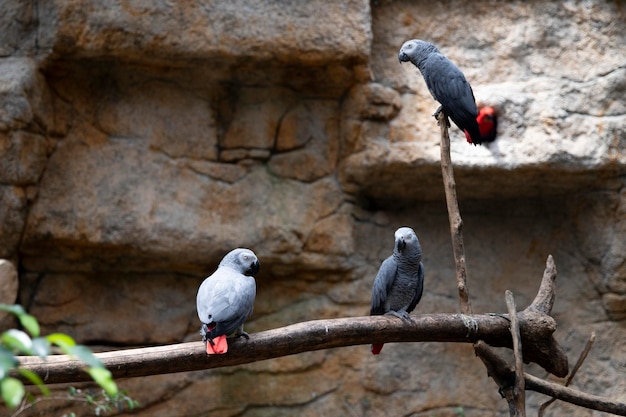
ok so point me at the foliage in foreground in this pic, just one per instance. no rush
(28, 342)
(99, 401)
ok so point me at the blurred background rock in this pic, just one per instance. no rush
(140, 141)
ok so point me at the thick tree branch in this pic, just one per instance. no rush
(289, 340)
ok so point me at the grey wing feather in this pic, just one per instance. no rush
(449, 87)
(419, 290)
(227, 299)
(382, 285)
(237, 314)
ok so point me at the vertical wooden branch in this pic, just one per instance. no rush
(490, 358)
(454, 215)
(517, 404)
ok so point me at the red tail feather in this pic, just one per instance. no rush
(219, 345)
(468, 137)
(376, 349)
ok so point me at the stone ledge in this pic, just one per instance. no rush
(312, 32)
(546, 145)
(405, 173)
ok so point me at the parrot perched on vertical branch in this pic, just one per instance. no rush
(399, 284)
(446, 84)
(226, 298)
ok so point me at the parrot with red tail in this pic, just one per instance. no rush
(487, 123)
(446, 84)
(399, 283)
(226, 298)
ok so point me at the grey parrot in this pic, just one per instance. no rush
(226, 298)
(446, 84)
(399, 284)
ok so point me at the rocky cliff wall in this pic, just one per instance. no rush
(140, 141)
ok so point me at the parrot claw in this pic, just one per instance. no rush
(436, 116)
(403, 315)
(243, 334)
(502, 316)
(203, 332)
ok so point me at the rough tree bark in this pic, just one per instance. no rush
(298, 338)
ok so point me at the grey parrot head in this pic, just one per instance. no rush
(406, 239)
(416, 51)
(242, 260)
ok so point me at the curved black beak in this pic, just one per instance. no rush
(402, 57)
(254, 269)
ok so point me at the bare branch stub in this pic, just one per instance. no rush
(538, 315)
(545, 296)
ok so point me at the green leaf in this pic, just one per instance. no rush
(30, 323)
(14, 309)
(17, 341)
(12, 391)
(7, 362)
(35, 379)
(61, 340)
(84, 354)
(41, 347)
(130, 403)
(103, 377)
